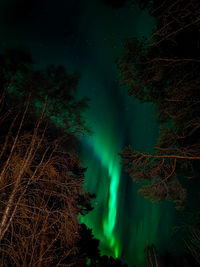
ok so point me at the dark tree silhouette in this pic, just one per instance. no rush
(173, 17)
(41, 176)
(164, 70)
(155, 259)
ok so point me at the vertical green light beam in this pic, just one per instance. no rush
(105, 147)
(110, 220)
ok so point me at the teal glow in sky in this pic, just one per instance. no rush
(123, 221)
(109, 161)
(87, 37)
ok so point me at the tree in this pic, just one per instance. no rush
(41, 176)
(155, 259)
(164, 69)
(173, 18)
(156, 174)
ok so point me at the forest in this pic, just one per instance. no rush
(41, 173)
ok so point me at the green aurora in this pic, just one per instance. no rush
(122, 220)
(88, 38)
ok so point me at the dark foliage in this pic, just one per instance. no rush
(164, 70)
(153, 259)
(41, 178)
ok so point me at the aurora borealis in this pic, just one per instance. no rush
(123, 221)
(87, 37)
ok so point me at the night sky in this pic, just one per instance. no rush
(87, 36)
